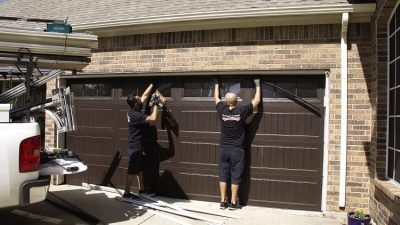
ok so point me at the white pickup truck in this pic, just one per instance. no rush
(25, 165)
(20, 162)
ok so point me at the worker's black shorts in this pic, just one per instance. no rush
(231, 164)
(135, 163)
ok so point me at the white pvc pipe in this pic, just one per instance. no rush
(343, 107)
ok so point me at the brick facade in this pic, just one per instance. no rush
(296, 48)
(384, 205)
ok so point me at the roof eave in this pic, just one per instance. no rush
(366, 10)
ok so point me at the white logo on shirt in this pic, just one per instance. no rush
(230, 117)
(129, 119)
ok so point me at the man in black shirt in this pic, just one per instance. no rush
(136, 123)
(232, 143)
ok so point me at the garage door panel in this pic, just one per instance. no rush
(191, 165)
(89, 145)
(203, 183)
(94, 103)
(190, 181)
(123, 145)
(292, 158)
(283, 164)
(198, 135)
(98, 132)
(290, 124)
(122, 119)
(293, 174)
(198, 153)
(201, 120)
(124, 161)
(284, 193)
(96, 173)
(287, 140)
(94, 117)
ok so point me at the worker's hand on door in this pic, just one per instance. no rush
(257, 82)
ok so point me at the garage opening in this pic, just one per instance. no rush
(285, 137)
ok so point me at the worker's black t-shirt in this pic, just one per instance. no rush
(136, 124)
(233, 124)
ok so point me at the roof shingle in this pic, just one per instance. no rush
(89, 11)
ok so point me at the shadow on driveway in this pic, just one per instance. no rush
(99, 204)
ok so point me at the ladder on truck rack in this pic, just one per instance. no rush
(59, 107)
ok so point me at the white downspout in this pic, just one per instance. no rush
(343, 106)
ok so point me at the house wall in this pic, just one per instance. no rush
(384, 195)
(294, 48)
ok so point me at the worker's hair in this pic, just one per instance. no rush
(231, 99)
(134, 102)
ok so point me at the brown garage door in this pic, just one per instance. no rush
(284, 159)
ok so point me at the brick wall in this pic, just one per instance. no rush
(384, 206)
(267, 48)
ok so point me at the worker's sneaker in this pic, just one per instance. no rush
(147, 192)
(223, 205)
(130, 196)
(234, 206)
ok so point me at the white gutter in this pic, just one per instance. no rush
(343, 107)
(241, 13)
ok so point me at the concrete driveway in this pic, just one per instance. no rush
(102, 204)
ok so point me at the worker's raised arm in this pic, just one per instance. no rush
(146, 93)
(216, 91)
(257, 96)
(153, 116)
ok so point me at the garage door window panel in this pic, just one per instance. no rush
(133, 86)
(230, 86)
(77, 89)
(303, 89)
(288, 86)
(165, 88)
(138, 86)
(307, 90)
(268, 91)
(91, 89)
(198, 89)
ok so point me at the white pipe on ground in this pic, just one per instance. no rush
(343, 107)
